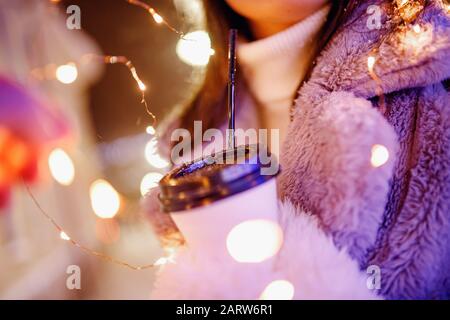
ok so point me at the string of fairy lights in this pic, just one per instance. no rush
(413, 38)
(67, 74)
(156, 16)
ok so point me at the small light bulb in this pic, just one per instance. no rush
(64, 236)
(161, 261)
(142, 86)
(371, 62)
(166, 260)
(158, 19)
(150, 130)
(417, 28)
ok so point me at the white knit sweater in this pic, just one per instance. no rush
(274, 66)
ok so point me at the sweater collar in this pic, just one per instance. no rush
(290, 40)
(274, 66)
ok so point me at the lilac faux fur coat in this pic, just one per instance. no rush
(396, 216)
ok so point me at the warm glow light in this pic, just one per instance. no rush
(170, 258)
(61, 167)
(371, 63)
(278, 290)
(158, 19)
(133, 71)
(417, 28)
(150, 181)
(150, 130)
(254, 240)
(153, 157)
(161, 261)
(142, 86)
(67, 73)
(64, 236)
(415, 39)
(156, 161)
(380, 155)
(105, 200)
(195, 48)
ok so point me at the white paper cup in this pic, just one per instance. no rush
(207, 199)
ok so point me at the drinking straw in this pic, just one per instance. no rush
(232, 35)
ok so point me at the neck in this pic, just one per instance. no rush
(262, 29)
(265, 28)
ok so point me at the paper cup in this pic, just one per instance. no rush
(210, 196)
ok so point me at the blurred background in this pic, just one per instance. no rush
(92, 181)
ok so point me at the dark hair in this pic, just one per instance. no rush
(208, 105)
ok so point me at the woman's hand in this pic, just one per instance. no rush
(27, 126)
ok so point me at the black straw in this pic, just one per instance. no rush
(231, 87)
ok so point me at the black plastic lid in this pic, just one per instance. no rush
(209, 179)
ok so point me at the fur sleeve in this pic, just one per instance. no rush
(308, 259)
(327, 167)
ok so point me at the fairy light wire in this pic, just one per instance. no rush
(63, 235)
(109, 59)
(156, 16)
(406, 12)
(66, 237)
(142, 87)
(371, 61)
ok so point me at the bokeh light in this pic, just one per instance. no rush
(61, 167)
(278, 290)
(195, 48)
(149, 181)
(152, 156)
(64, 236)
(67, 73)
(254, 241)
(105, 200)
(380, 155)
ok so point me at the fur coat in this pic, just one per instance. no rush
(397, 216)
